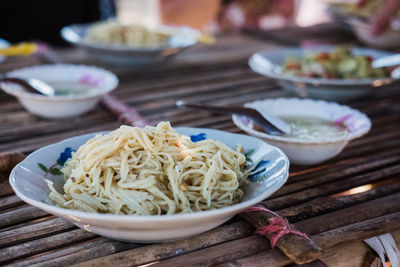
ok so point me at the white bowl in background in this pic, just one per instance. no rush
(300, 151)
(125, 55)
(62, 106)
(361, 25)
(27, 180)
(269, 63)
(389, 39)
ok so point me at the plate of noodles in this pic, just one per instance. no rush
(153, 184)
(113, 43)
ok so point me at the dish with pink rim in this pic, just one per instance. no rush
(308, 151)
(82, 88)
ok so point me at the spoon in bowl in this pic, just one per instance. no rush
(268, 122)
(388, 61)
(31, 85)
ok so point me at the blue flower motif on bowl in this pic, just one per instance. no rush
(64, 156)
(198, 137)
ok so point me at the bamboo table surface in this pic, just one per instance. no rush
(338, 203)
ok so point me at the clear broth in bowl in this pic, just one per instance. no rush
(311, 128)
(63, 88)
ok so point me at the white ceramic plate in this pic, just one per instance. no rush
(269, 64)
(129, 55)
(27, 180)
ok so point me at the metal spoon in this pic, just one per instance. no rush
(31, 85)
(387, 61)
(269, 123)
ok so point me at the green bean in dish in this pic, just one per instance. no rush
(339, 63)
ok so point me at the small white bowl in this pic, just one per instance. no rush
(62, 106)
(27, 180)
(307, 152)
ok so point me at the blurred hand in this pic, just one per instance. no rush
(381, 21)
(194, 13)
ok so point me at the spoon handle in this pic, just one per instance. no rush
(248, 112)
(27, 86)
(387, 61)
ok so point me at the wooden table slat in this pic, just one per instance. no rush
(331, 188)
(154, 252)
(40, 229)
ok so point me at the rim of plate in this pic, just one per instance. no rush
(256, 67)
(113, 83)
(353, 135)
(68, 30)
(144, 218)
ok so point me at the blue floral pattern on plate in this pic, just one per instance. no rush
(64, 156)
(198, 137)
(259, 171)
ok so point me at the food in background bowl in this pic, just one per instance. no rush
(270, 64)
(146, 47)
(340, 63)
(111, 32)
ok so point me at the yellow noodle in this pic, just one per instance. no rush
(111, 32)
(151, 171)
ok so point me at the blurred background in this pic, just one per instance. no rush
(27, 19)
